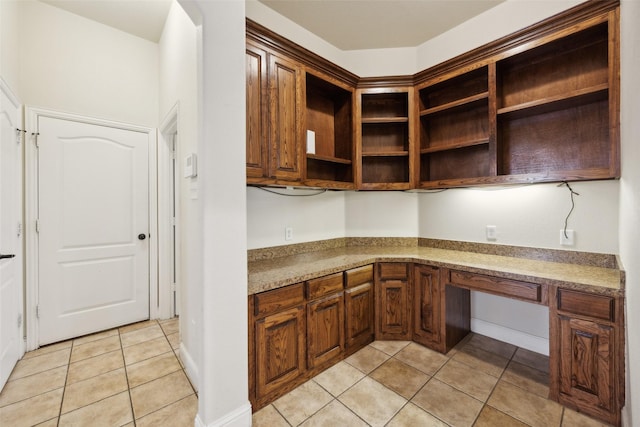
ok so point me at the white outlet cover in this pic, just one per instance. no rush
(568, 239)
(492, 232)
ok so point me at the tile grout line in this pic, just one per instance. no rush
(126, 374)
(64, 387)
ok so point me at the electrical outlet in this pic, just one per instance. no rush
(568, 238)
(288, 233)
(492, 232)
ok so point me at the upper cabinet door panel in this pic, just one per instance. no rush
(286, 93)
(257, 118)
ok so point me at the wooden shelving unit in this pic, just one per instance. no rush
(385, 132)
(329, 108)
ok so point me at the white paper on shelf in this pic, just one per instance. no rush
(311, 142)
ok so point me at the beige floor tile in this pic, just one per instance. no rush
(530, 379)
(151, 369)
(93, 389)
(481, 360)
(339, 378)
(95, 348)
(136, 326)
(422, 358)
(50, 423)
(334, 414)
(268, 417)
(37, 364)
(524, 406)
(179, 414)
(411, 415)
(466, 379)
(463, 342)
(170, 326)
(94, 337)
(491, 417)
(302, 402)
(367, 359)
(33, 385)
(159, 393)
(572, 418)
(141, 335)
(139, 352)
(390, 347)
(88, 368)
(400, 377)
(174, 340)
(32, 411)
(372, 402)
(48, 349)
(491, 345)
(112, 411)
(534, 360)
(448, 404)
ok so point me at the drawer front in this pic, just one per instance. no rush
(358, 276)
(278, 299)
(324, 285)
(393, 270)
(499, 286)
(591, 305)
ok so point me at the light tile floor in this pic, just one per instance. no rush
(482, 382)
(130, 376)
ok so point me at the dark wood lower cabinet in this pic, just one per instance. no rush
(325, 330)
(280, 350)
(297, 331)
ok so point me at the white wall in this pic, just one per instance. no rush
(10, 44)
(381, 214)
(72, 64)
(311, 214)
(630, 197)
(178, 77)
(222, 321)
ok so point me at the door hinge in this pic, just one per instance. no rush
(19, 133)
(173, 221)
(19, 230)
(19, 320)
(37, 225)
(35, 139)
(173, 287)
(37, 311)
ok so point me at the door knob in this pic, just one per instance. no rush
(3, 256)
(142, 236)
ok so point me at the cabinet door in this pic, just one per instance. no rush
(586, 362)
(426, 309)
(359, 315)
(393, 310)
(285, 108)
(257, 125)
(325, 330)
(280, 350)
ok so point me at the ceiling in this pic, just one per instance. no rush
(142, 18)
(376, 24)
(346, 24)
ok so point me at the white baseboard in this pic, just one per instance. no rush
(240, 417)
(511, 336)
(189, 366)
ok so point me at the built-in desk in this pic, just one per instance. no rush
(427, 299)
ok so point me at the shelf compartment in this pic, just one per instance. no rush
(456, 146)
(467, 162)
(454, 92)
(386, 154)
(568, 65)
(383, 120)
(328, 159)
(575, 138)
(387, 137)
(460, 103)
(385, 169)
(385, 105)
(559, 102)
(444, 131)
(322, 169)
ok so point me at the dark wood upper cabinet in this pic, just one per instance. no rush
(539, 105)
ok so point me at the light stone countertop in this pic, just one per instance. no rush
(286, 270)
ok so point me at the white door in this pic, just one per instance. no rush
(93, 228)
(10, 236)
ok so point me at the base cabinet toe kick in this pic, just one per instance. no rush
(297, 331)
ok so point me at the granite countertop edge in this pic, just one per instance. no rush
(278, 272)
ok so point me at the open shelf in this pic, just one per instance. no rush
(455, 146)
(467, 162)
(329, 115)
(464, 102)
(382, 120)
(386, 154)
